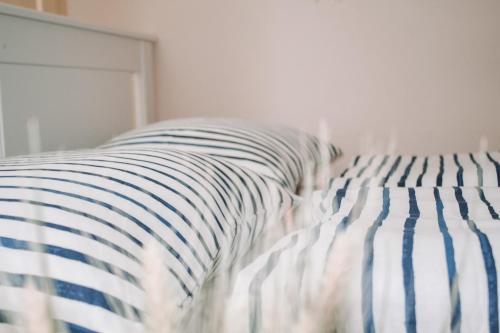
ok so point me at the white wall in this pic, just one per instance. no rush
(424, 72)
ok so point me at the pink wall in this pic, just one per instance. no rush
(424, 72)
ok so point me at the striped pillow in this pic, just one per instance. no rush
(277, 152)
(91, 212)
(474, 169)
(385, 260)
(453, 170)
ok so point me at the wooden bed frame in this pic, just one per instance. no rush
(81, 84)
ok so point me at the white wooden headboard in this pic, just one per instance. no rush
(82, 83)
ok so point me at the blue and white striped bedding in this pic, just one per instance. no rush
(416, 259)
(422, 232)
(474, 169)
(278, 152)
(90, 213)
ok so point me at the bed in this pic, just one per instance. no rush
(111, 224)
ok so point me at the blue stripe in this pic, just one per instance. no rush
(493, 213)
(424, 170)
(384, 161)
(460, 172)
(355, 211)
(439, 179)
(74, 292)
(407, 263)
(479, 170)
(450, 262)
(391, 171)
(355, 162)
(362, 170)
(339, 196)
(346, 221)
(367, 277)
(497, 167)
(73, 328)
(5, 316)
(488, 260)
(70, 254)
(11, 318)
(402, 181)
(337, 199)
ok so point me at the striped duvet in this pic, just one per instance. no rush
(79, 222)
(416, 258)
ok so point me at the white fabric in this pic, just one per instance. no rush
(89, 214)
